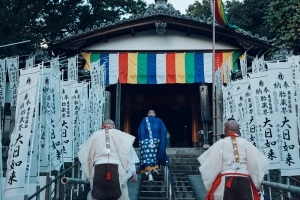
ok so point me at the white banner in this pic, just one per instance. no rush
(76, 100)
(281, 79)
(229, 108)
(73, 69)
(2, 82)
(228, 71)
(44, 133)
(29, 62)
(13, 75)
(66, 116)
(251, 134)
(243, 64)
(262, 93)
(83, 113)
(95, 74)
(239, 89)
(18, 148)
(53, 118)
(261, 64)
(255, 67)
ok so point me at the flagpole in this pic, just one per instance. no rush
(213, 72)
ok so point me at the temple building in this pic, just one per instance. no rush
(159, 60)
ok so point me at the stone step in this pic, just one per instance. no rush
(161, 178)
(163, 184)
(183, 167)
(180, 194)
(188, 172)
(163, 188)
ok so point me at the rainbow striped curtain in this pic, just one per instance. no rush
(153, 68)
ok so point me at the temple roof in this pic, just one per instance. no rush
(161, 16)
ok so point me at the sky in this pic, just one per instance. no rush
(180, 5)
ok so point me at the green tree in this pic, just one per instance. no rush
(200, 10)
(43, 20)
(283, 17)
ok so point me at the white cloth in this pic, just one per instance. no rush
(133, 160)
(94, 151)
(219, 158)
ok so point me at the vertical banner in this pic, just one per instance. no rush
(90, 114)
(75, 101)
(261, 64)
(266, 122)
(29, 62)
(54, 120)
(44, 133)
(243, 64)
(72, 69)
(238, 92)
(251, 135)
(95, 74)
(282, 81)
(2, 82)
(204, 103)
(228, 71)
(13, 75)
(66, 116)
(18, 148)
(83, 113)
(255, 67)
(229, 108)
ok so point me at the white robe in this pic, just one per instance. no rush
(220, 158)
(133, 160)
(94, 150)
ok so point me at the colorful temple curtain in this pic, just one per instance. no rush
(160, 68)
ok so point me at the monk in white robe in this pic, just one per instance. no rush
(112, 146)
(232, 168)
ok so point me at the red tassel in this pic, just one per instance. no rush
(229, 182)
(108, 176)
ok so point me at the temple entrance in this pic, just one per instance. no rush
(177, 121)
(178, 105)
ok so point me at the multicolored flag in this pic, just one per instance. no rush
(220, 14)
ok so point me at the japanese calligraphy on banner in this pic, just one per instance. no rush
(72, 69)
(67, 127)
(238, 92)
(53, 116)
(13, 75)
(255, 66)
(44, 133)
(76, 100)
(262, 93)
(286, 125)
(18, 148)
(228, 103)
(251, 134)
(90, 114)
(261, 64)
(95, 74)
(2, 82)
(83, 113)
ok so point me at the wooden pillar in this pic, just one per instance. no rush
(195, 124)
(127, 113)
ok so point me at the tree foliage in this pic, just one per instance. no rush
(41, 20)
(202, 10)
(283, 16)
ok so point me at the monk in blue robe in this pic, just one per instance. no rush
(152, 141)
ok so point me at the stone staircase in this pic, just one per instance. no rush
(183, 162)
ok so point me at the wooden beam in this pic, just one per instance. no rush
(189, 30)
(132, 31)
(105, 38)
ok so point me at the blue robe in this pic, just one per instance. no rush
(159, 133)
